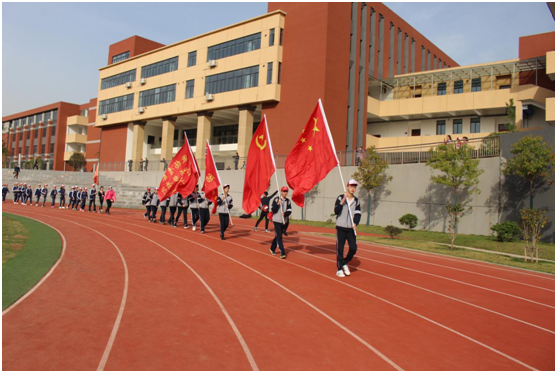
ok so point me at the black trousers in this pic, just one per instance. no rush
(16, 197)
(44, 199)
(82, 204)
(3, 197)
(101, 200)
(38, 199)
(264, 215)
(148, 212)
(108, 206)
(53, 201)
(342, 237)
(62, 201)
(153, 213)
(224, 221)
(279, 228)
(94, 203)
(172, 213)
(194, 215)
(204, 218)
(163, 214)
(182, 210)
(286, 226)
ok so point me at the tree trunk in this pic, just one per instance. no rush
(531, 194)
(525, 255)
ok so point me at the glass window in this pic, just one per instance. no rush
(233, 47)
(158, 96)
(279, 70)
(53, 131)
(281, 36)
(47, 116)
(476, 84)
(475, 125)
(189, 88)
(458, 86)
(121, 57)
(507, 86)
(271, 37)
(192, 136)
(270, 73)
(159, 68)
(118, 79)
(116, 104)
(232, 80)
(457, 126)
(441, 89)
(225, 135)
(440, 127)
(192, 58)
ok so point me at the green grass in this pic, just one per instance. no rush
(27, 263)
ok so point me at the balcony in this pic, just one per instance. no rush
(550, 65)
(78, 120)
(76, 139)
(67, 155)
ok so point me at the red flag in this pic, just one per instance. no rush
(96, 177)
(212, 178)
(260, 166)
(313, 156)
(182, 174)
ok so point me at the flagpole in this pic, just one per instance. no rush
(274, 164)
(338, 163)
(198, 174)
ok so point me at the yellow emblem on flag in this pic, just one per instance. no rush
(210, 178)
(261, 147)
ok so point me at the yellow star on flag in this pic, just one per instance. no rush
(303, 140)
(310, 148)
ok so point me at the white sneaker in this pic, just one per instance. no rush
(193, 228)
(340, 273)
(346, 270)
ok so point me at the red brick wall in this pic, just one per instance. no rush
(135, 44)
(113, 146)
(535, 45)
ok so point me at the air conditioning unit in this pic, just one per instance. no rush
(209, 97)
(142, 81)
(141, 110)
(104, 116)
(128, 85)
(213, 63)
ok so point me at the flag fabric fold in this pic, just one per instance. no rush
(182, 174)
(96, 177)
(260, 166)
(313, 156)
(212, 178)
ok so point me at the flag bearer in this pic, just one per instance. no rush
(183, 204)
(37, 195)
(62, 193)
(83, 198)
(5, 191)
(15, 191)
(204, 215)
(281, 210)
(265, 200)
(93, 198)
(164, 204)
(153, 204)
(146, 202)
(53, 194)
(173, 202)
(347, 220)
(194, 206)
(224, 204)
(44, 193)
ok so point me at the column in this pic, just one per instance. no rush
(167, 142)
(11, 137)
(40, 140)
(137, 144)
(203, 134)
(32, 140)
(48, 148)
(25, 136)
(245, 130)
(518, 117)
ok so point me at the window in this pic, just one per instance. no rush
(118, 79)
(440, 127)
(279, 70)
(159, 68)
(281, 36)
(270, 73)
(441, 89)
(232, 80)
(234, 47)
(42, 148)
(457, 126)
(458, 86)
(157, 96)
(475, 125)
(36, 134)
(121, 57)
(506, 86)
(225, 135)
(476, 85)
(47, 116)
(271, 37)
(502, 127)
(23, 121)
(34, 149)
(416, 132)
(116, 104)
(27, 149)
(192, 136)
(53, 131)
(150, 140)
(189, 88)
(192, 58)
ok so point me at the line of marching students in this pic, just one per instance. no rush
(347, 209)
(77, 198)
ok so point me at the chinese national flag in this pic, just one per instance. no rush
(313, 156)
(260, 166)
(182, 174)
(212, 178)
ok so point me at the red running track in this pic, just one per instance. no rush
(132, 295)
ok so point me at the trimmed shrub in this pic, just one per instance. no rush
(393, 231)
(410, 220)
(506, 231)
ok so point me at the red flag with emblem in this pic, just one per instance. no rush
(260, 166)
(313, 156)
(182, 174)
(212, 178)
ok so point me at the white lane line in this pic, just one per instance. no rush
(354, 335)
(419, 287)
(47, 275)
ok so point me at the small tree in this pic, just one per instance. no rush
(371, 175)
(393, 231)
(459, 172)
(77, 160)
(511, 115)
(533, 159)
(532, 221)
(410, 220)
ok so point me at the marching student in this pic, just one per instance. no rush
(93, 198)
(204, 215)
(173, 202)
(76, 194)
(62, 193)
(101, 194)
(53, 194)
(83, 198)
(347, 204)
(71, 197)
(146, 202)
(37, 195)
(5, 191)
(23, 193)
(110, 198)
(182, 205)
(15, 191)
(224, 204)
(194, 206)
(164, 205)
(264, 207)
(154, 203)
(44, 193)
(281, 210)
(29, 195)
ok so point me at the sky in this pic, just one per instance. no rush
(52, 51)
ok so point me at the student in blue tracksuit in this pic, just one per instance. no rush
(204, 214)
(93, 198)
(15, 191)
(62, 193)
(194, 206)
(53, 194)
(44, 193)
(29, 195)
(37, 195)
(5, 191)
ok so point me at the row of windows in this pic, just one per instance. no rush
(33, 119)
(157, 96)
(233, 47)
(232, 80)
(159, 68)
(121, 57)
(457, 126)
(272, 37)
(459, 87)
(118, 79)
(116, 104)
